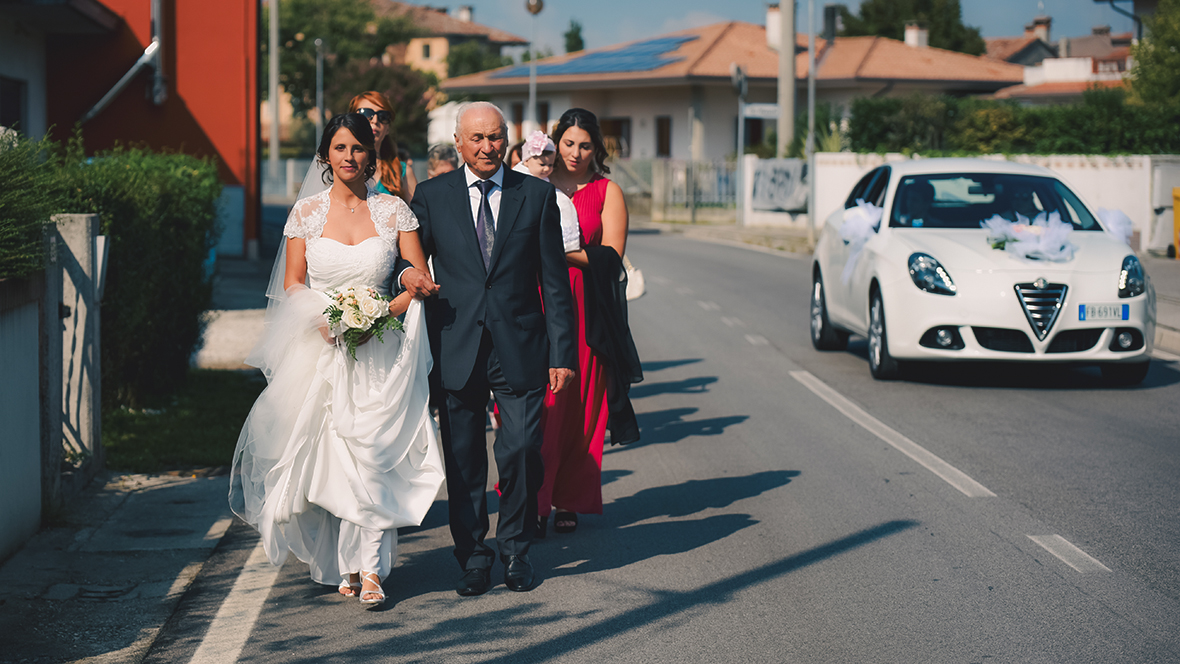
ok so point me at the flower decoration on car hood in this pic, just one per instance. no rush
(860, 225)
(1117, 224)
(1045, 237)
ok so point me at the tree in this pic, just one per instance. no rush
(1155, 77)
(887, 18)
(408, 91)
(351, 30)
(473, 56)
(573, 37)
(527, 56)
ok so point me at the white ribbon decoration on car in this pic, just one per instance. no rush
(860, 224)
(1045, 237)
(1117, 224)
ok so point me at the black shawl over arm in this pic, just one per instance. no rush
(608, 332)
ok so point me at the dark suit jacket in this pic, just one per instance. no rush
(504, 298)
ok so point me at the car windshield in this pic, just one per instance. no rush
(964, 200)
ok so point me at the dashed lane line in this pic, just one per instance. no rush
(732, 322)
(235, 619)
(1069, 554)
(757, 340)
(708, 306)
(924, 457)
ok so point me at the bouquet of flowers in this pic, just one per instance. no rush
(357, 312)
(1045, 237)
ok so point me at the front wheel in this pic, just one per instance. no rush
(1125, 374)
(823, 335)
(881, 363)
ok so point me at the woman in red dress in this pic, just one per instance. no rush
(575, 420)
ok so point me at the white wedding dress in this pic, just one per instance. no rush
(338, 453)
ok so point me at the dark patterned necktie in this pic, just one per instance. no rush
(485, 223)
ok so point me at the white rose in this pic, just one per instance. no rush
(372, 308)
(353, 318)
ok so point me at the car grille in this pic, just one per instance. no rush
(1074, 341)
(1041, 305)
(998, 338)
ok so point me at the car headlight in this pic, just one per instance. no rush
(929, 275)
(1132, 280)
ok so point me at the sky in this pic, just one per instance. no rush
(609, 22)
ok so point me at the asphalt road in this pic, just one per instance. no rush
(784, 507)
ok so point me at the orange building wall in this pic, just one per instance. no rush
(211, 64)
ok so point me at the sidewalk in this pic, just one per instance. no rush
(1164, 272)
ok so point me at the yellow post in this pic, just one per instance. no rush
(1176, 222)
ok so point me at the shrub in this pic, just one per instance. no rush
(158, 212)
(30, 192)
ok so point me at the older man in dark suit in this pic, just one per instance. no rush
(494, 235)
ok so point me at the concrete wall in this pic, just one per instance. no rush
(82, 370)
(22, 57)
(20, 413)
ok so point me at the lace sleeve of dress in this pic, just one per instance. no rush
(390, 215)
(301, 223)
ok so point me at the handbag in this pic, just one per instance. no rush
(635, 284)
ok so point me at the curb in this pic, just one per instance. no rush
(1167, 339)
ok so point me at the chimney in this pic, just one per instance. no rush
(773, 27)
(464, 13)
(1040, 28)
(916, 35)
(832, 23)
(1100, 30)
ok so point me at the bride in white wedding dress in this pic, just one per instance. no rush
(337, 453)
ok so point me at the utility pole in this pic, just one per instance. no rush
(534, 7)
(811, 123)
(274, 90)
(786, 76)
(319, 91)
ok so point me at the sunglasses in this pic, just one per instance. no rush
(384, 117)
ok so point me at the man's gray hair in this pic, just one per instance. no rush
(473, 106)
(440, 153)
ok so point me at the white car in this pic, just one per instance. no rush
(927, 284)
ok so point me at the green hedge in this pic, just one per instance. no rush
(158, 212)
(30, 192)
(1102, 123)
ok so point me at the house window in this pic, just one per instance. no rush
(663, 136)
(518, 119)
(616, 132)
(426, 51)
(13, 94)
(543, 115)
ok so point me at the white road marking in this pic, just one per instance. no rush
(235, 619)
(1164, 355)
(927, 459)
(663, 281)
(757, 340)
(708, 306)
(732, 322)
(217, 531)
(684, 290)
(1069, 554)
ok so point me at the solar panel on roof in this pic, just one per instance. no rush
(641, 56)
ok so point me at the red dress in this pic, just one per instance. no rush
(574, 420)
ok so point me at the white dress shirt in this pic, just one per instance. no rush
(477, 196)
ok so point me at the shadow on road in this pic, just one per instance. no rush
(492, 635)
(697, 385)
(1019, 375)
(669, 426)
(649, 367)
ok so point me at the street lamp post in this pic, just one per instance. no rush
(738, 78)
(319, 90)
(274, 91)
(534, 7)
(811, 123)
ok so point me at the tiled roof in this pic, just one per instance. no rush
(1054, 89)
(1002, 48)
(438, 23)
(713, 47)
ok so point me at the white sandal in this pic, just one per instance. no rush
(379, 592)
(349, 589)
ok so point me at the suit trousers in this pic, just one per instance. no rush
(517, 450)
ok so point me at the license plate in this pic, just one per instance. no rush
(1104, 312)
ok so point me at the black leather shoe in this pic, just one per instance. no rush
(474, 582)
(518, 573)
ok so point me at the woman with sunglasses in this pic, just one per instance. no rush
(393, 177)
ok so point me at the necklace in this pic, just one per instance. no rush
(350, 209)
